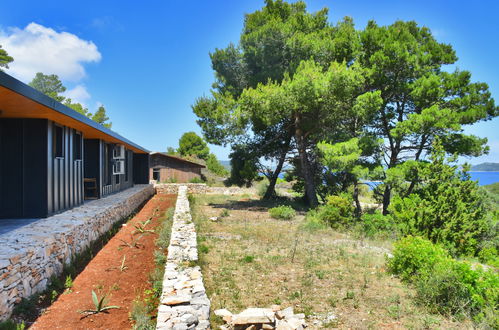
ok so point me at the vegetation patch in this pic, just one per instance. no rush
(282, 212)
(328, 275)
(446, 285)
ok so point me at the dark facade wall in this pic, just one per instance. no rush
(141, 168)
(23, 168)
(93, 162)
(65, 171)
(112, 183)
(170, 168)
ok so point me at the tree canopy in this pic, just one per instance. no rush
(49, 85)
(5, 59)
(53, 87)
(295, 76)
(191, 144)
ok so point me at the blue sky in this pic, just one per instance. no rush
(148, 61)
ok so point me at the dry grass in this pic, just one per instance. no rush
(252, 260)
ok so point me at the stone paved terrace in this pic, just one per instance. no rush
(35, 249)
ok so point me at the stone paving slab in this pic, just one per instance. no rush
(31, 254)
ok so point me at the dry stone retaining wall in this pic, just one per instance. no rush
(201, 188)
(30, 255)
(184, 303)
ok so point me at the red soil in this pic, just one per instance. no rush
(103, 275)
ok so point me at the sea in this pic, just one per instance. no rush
(485, 178)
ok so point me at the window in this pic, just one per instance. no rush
(77, 146)
(119, 152)
(156, 174)
(119, 167)
(58, 141)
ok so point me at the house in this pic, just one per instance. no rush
(164, 167)
(52, 158)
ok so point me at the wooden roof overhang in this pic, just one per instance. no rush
(18, 100)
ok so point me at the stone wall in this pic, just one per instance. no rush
(184, 303)
(31, 254)
(201, 188)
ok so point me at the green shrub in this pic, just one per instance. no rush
(215, 167)
(337, 212)
(313, 222)
(261, 188)
(413, 256)
(139, 314)
(453, 287)
(373, 224)
(446, 207)
(446, 285)
(489, 256)
(196, 180)
(282, 212)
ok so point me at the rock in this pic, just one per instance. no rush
(189, 319)
(295, 323)
(175, 300)
(285, 313)
(283, 325)
(222, 312)
(254, 315)
(214, 219)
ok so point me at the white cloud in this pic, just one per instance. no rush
(41, 49)
(78, 94)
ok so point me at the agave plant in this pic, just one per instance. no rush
(140, 228)
(100, 305)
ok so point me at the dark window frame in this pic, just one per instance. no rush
(77, 146)
(58, 141)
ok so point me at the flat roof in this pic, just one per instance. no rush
(18, 100)
(164, 154)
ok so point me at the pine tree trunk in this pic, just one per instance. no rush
(386, 199)
(273, 179)
(310, 191)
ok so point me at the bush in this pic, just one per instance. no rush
(282, 212)
(413, 256)
(261, 188)
(373, 224)
(337, 212)
(215, 167)
(489, 256)
(446, 285)
(453, 287)
(196, 180)
(446, 207)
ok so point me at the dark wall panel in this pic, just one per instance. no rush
(92, 162)
(67, 172)
(141, 168)
(35, 168)
(11, 167)
(23, 168)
